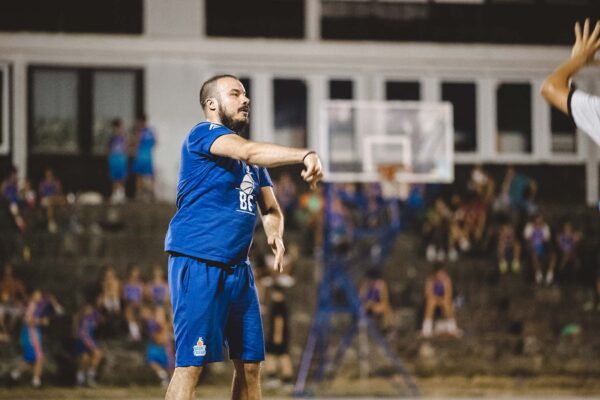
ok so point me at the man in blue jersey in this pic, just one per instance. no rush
(223, 185)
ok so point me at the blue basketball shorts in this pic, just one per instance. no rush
(31, 342)
(157, 354)
(214, 309)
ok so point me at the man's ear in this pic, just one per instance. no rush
(212, 104)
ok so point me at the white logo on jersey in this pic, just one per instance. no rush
(247, 193)
(213, 126)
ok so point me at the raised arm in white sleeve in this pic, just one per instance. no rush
(585, 110)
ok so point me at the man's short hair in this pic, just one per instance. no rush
(208, 87)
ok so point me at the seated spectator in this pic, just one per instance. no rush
(157, 290)
(159, 351)
(537, 235)
(436, 231)
(509, 249)
(278, 364)
(374, 297)
(568, 260)
(133, 293)
(39, 310)
(50, 194)
(110, 294)
(86, 348)
(459, 234)
(13, 298)
(438, 295)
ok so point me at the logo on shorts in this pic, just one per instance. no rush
(200, 348)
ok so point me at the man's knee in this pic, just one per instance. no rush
(191, 374)
(252, 371)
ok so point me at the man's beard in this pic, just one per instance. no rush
(236, 125)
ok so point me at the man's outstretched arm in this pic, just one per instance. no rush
(269, 155)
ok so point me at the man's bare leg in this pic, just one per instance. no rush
(246, 381)
(183, 383)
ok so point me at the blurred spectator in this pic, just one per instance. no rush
(509, 249)
(85, 345)
(133, 292)
(10, 192)
(50, 194)
(117, 160)
(12, 302)
(144, 142)
(110, 294)
(459, 233)
(568, 259)
(438, 295)
(436, 231)
(157, 290)
(286, 192)
(517, 195)
(340, 224)
(159, 351)
(374, 296)
(482, 184)
(537, 235)
(37, 314)
(278, 362)
(310, 216)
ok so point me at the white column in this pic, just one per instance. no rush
(20, 116)
(317, 94)
(486, 118)
(541, 135)
(312, 19)
(431, 89)
(591, 173)
(179, 18)
(262, 108)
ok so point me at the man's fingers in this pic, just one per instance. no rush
(595, 33)
(586, 29)
(577, 32)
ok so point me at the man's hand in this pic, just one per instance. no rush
(313, 171)
(278, 249)
(586, 44)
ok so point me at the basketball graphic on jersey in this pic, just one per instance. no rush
(247, 185)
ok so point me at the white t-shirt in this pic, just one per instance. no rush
(585, 110)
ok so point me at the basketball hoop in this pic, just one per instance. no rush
(391, 187)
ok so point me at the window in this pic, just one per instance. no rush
(290, 112)
(71, 108)
(74, 16)
(563, 130)
(513, 118)
(463, 99)
(259, 18)
(407, 91)
(114, 97)
(54, 111)
(341, 89)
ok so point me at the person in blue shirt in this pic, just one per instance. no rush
(117, 160)
(85, 346)
(145, 141)
(223, 185)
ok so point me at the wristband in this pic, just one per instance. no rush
(307, 154)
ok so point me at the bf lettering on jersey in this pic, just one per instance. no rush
(247, 193)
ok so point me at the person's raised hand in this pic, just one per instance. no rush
(586, 43)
